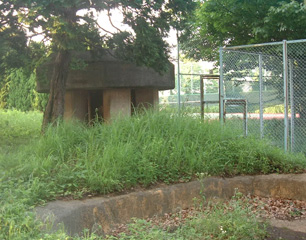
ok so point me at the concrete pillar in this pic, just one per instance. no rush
(76, 105)
(116, 103)
(146, 98)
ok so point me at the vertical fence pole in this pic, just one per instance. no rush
(221, 88)
(286, 94)
(291, 104)
(191, 79)
(246, 118)
(202, 97)
(178, 74)
(261, 97)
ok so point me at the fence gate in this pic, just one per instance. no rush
(271, 79)
(204, 78)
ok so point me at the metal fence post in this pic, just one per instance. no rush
(261, 98)
(286, 94)
(202, 97)
(291, 105)
(178, 74)
(221, 88)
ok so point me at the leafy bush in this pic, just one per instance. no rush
(274, 109)
(19, 93)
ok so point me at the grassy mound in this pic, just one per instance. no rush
(147, 149)
(74, 159)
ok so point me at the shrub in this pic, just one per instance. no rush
(19, 93)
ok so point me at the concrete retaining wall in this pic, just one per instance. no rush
(108, 211)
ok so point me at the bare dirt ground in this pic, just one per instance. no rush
(286, 218)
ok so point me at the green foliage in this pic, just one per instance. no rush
(67, 29)
(17, 126)
(274, 109)
(74, 159)
(4, 89)
(17, 80)
(232, 221)
(144, 150)
(152, 148)
(235, 22)
(284, 21)
(73, 25)
(19, 92)
(12, 41)
(17, 221)
(19, 194)
(148, 48)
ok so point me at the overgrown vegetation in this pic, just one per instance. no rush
(74, 159)
(17, 91)
(18, 127)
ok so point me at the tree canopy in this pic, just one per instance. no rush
(73, 25)
(218, 23)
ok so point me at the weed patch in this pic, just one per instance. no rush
(230, 220)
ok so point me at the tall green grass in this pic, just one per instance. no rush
(74, 159)
(17, 127)
(144, 150)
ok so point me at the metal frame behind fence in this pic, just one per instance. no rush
(202, 102)
(235, 102)
(292, 106)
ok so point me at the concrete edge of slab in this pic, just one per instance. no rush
(296, 225)
(102, 213)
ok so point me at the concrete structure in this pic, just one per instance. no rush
(110, 210)
(107, 87)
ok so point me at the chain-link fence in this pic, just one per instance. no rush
(190, 95)
(271, 80)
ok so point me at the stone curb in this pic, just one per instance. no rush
(107, 211)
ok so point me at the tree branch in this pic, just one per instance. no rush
(110, 20)
(96, 22)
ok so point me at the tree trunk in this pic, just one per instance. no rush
(56, 103)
